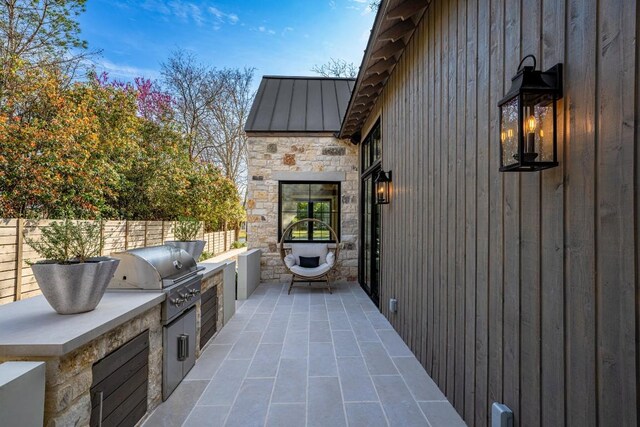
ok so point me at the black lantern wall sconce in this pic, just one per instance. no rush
(528, 124)
(383, 187)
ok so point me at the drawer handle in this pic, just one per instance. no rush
(183, 347)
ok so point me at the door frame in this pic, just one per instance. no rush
(372, 289)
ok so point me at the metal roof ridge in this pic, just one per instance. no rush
(307, 77)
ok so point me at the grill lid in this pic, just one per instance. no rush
(148, 268)
(168, 261)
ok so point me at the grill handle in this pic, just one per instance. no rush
(183, 347)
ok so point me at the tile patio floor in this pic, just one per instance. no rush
(307, 359)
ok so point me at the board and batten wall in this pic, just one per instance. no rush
(517, 288)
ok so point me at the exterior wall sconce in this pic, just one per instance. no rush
(528, 121)
(383, 187)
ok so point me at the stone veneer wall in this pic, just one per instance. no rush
(216, 280)
(69, 377)
(269, 154)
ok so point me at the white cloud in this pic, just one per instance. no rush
(183, 10)
(363, 5)
(196, 14)
(221, 16)
(188, 11)
(125, 71)
(216, 12)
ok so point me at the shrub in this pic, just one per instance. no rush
(237, 245)
(186, 229)
(205, 255)
(68, 241)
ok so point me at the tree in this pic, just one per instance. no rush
(194, 91)
(63, 149)
(39, 34)
(226, 140)
(103, 148)
(211, 107)
(337, 68)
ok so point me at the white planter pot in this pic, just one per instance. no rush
(192, 247)
(74, 288)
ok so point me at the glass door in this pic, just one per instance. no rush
(370, 215)
(370, 239)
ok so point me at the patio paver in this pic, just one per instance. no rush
(307, 359)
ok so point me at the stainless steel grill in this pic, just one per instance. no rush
(154, 267)
(174, 272)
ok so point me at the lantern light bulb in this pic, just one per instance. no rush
(503, 136)
(531, 124)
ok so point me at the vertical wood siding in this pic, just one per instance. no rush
(517, 288)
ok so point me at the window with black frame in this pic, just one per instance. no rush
(301, 200)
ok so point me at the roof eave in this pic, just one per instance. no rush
(401, 19)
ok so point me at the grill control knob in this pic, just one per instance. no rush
(177, 301)
(194, 292)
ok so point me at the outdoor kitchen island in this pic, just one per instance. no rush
(118, 345)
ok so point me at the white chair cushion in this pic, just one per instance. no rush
(331, 259)
(290, 260)
(310, 250)
(310, 272)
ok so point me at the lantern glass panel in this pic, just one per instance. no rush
(382, 192)
(538, 128)
(509, 132)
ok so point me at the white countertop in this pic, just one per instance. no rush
(31, 328)
(211, 268)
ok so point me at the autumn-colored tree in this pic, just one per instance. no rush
(94, 148)
(103, 148)
(62, 148)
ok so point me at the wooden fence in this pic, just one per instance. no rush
(16, 278)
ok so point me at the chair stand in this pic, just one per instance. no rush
(300, 279)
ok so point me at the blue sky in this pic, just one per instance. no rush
(282, 37)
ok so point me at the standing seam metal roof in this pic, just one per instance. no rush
(300, 104)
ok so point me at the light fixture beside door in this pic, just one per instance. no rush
(383, 187)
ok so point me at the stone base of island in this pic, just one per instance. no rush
(72, 345)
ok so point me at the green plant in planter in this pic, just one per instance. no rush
(186, 229)
(68, 241)
(186, 233)
(73, 276)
